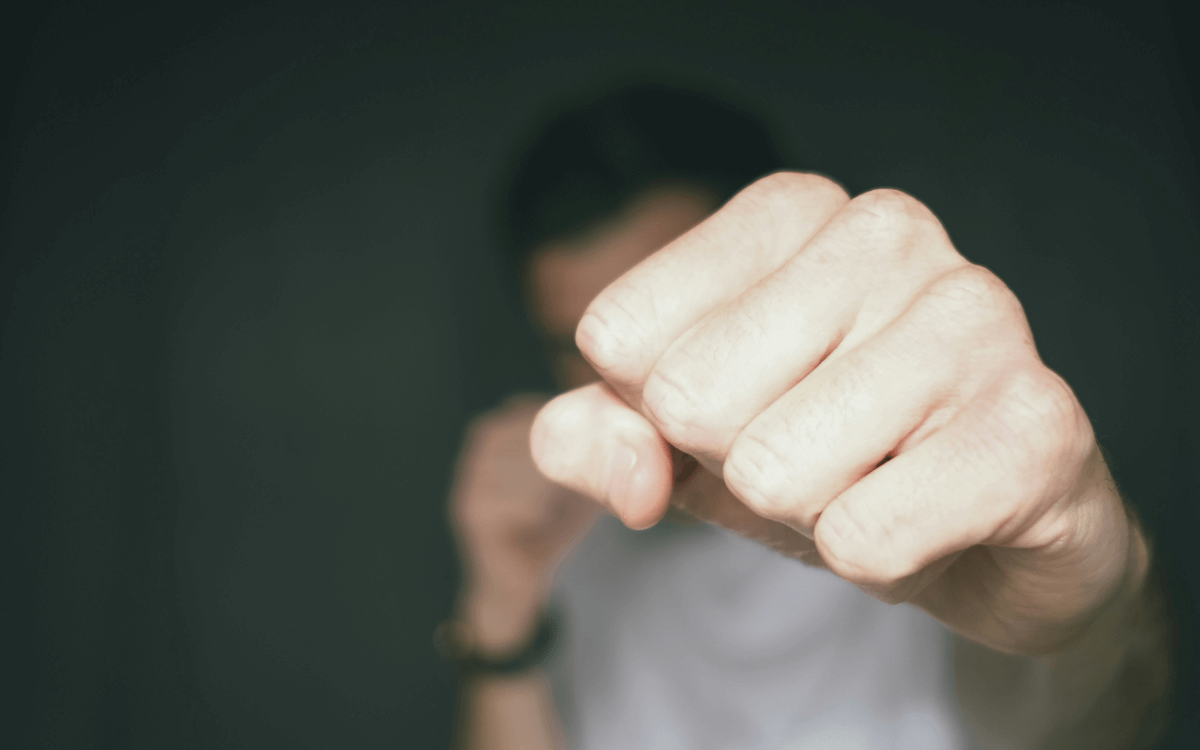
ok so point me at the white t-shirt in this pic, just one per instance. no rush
(691, 637)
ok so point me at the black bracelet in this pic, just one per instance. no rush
(453, 640)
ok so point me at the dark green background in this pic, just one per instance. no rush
(249, 302)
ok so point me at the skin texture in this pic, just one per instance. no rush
(861, 397)
(831, 378)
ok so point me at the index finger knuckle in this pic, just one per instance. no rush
(674, 399)
(613, 333)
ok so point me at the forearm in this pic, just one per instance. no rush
(508, 713)
(1106, 689)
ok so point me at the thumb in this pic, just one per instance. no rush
(590, 441)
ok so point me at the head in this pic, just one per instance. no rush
(608, 182)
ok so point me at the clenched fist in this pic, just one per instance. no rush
(858, 395)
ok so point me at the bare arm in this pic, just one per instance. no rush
(508, 713)
(1106, 689)
(862, 397)
(504, 711)
(513, 527)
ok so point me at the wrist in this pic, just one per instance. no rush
(1112, 623)
(500, 620)
(1130, 599)
(456, 641)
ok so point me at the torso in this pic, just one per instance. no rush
(691, 637)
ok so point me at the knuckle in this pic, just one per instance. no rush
(892, 206)
(1039, 435)
(973, 293)
(674, 399)
(972, 281)
(611, 333)
(786, 189)
(1044, 412)
(895, 223)
(758, 474)
(783, 203)
(863, 549)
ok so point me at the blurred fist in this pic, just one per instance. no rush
(860, 396)
(513, 526)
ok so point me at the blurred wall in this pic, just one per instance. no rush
(249, 302)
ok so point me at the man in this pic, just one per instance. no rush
(810, 373)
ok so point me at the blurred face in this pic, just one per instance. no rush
(568, 274)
